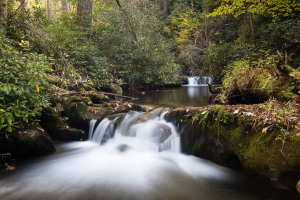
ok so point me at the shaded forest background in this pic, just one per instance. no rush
(46, 46)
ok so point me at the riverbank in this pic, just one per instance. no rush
(261, 139)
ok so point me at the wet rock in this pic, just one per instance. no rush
(33, 142)
(164, 132)
(69, 134)
(205, 135)
(116, 118)
(80, 114)
(50, 120)
(123, 147)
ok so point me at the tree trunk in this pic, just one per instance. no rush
(24, 5)
(65, 6)
(206, 25)
(3, 15)
(49, 10)
(252, 28)
(127, 2)
(84, 13)
(165, 2)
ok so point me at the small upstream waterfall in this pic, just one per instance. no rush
(199, 80)
(143, 131)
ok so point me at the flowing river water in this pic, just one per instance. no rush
(139, 159)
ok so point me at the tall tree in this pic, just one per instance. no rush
(3, 15)
(84, 13)
(165, 5)
(65, 6)
(49, 10)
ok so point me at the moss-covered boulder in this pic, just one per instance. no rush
(80, 114)
(114, 88)
(69, 134)
(50, 120)
(235, 136)
(33, 141)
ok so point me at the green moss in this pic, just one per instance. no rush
(217, 133)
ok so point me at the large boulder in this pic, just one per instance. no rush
(34, 141)
(232, 139)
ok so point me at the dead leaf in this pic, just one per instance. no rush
(265, 129)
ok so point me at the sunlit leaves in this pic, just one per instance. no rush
(272, 8)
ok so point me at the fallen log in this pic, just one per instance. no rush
(98, 92)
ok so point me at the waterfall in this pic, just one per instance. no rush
(139, 130)
(104, 130)
(199, 80)
(91, 128)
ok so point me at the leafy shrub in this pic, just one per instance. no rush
(216, 57)
(22, 85)
(145, 60)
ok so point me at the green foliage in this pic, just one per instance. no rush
(217, 57)
(272, 8)
(22, 85)
(184, 27)
(149, 60)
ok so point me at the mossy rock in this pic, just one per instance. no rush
(97, 98)
(80, 114)
(69, 134)
(203, 134)
(29, 143)
(114, 88)
(67, 100)
(50, 120)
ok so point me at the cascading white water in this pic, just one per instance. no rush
(193, 80)
(105, 128)
(142, 131)
(127, 167)
(199, 80)
(91, 128)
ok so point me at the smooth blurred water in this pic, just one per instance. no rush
(86, 170)
(131, 165)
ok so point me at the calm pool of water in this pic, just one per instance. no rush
(183, 96)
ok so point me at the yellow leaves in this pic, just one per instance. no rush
(10, 167)
(282, 140)
(37, 88)
(297, 126)
(1, 110)
(265, 129)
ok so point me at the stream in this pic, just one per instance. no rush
(194, 93)
(138, 158)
